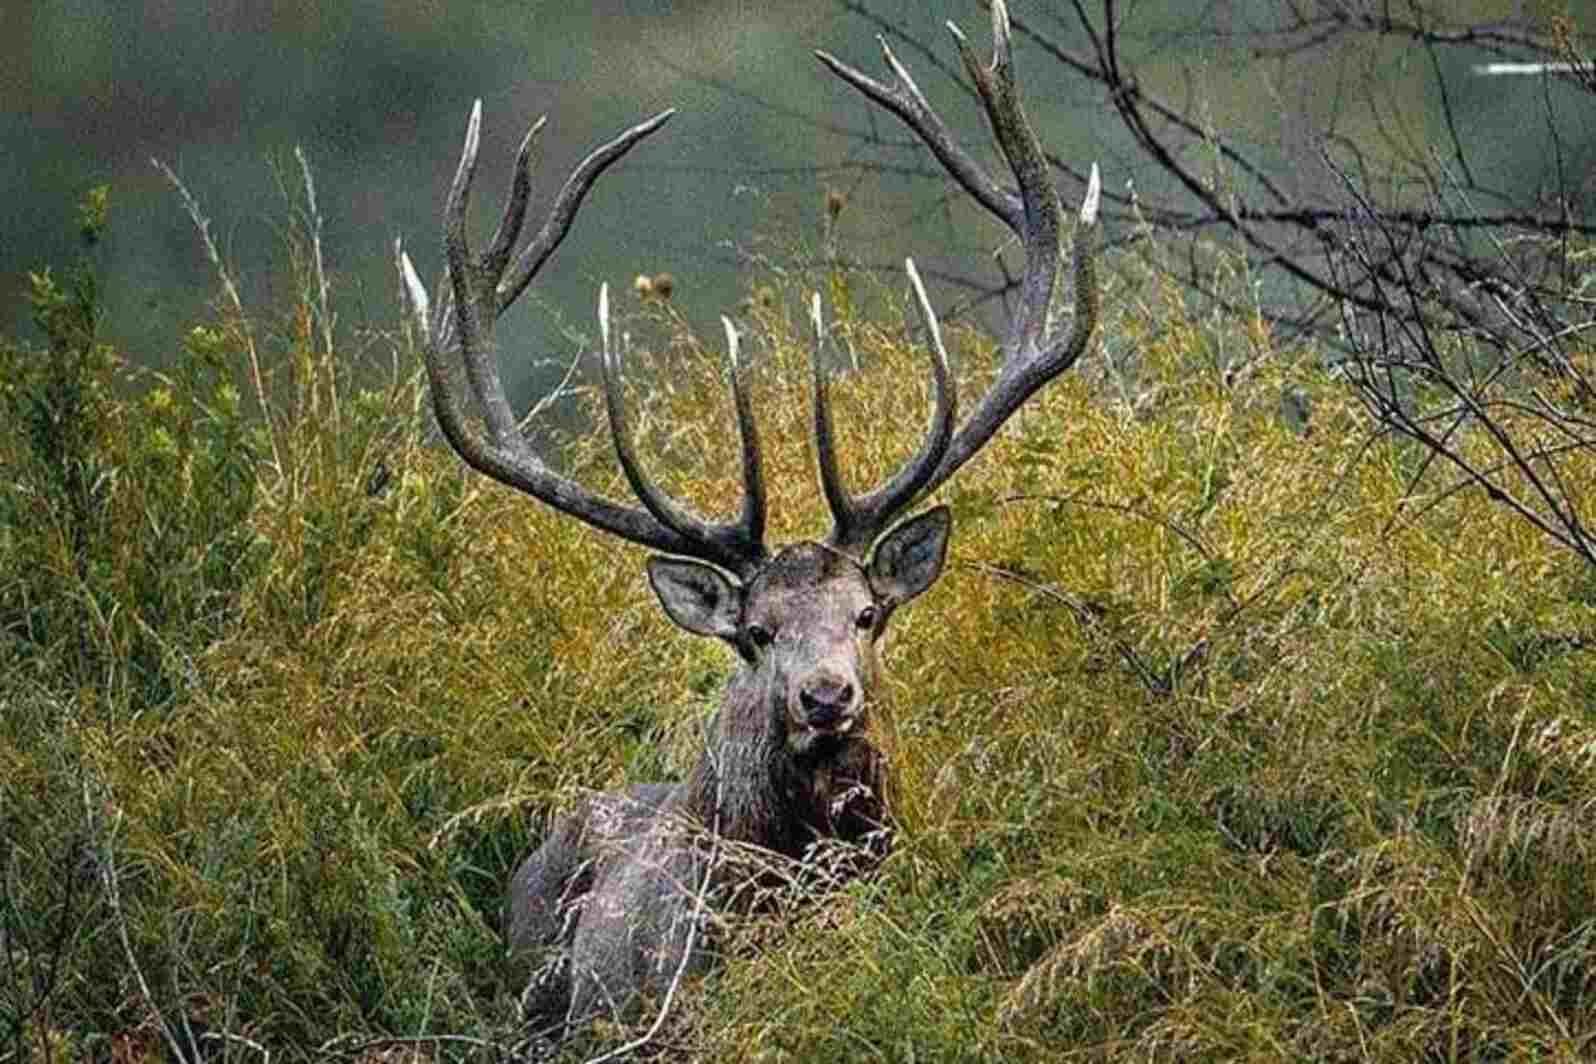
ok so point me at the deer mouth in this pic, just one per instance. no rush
(842, 726)
(830, 718)
(822, 727)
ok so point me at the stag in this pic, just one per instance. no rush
(618, 891)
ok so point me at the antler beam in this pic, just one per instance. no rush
(478, 290)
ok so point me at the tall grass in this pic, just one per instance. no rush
(1228, 734)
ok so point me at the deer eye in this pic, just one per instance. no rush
(760, 636)
(868, 617)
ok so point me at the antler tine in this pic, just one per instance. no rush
(513, 217)
(1021, 377)
(465, 311)
(566, 203)
(825, 441)
(470, 287)
(1033, 355)
(905, 100)
(857, 522)
(753, 516)
(737, 546)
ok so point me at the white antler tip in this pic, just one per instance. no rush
(473, 137)
(1000, 24)
(928, 314)
(1094, 195)
(531, 137)
(731, 340)
(604, 317)
(420, 306)
(815, 317)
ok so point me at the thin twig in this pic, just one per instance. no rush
(229, 1036)
(368, 1044)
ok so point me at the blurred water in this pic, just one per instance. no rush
(377, 94)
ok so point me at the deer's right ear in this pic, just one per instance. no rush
(698, 597)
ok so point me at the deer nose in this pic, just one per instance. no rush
(826, 701)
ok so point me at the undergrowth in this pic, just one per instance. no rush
(1226, 736)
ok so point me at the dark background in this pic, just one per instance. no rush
(377, 94)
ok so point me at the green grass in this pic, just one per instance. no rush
(1214, 743)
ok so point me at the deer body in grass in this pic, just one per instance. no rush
(616, 896)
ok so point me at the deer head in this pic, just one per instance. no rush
(807, 615)
(809, 619)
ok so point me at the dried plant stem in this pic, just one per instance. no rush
(323, 311)
(230, 290)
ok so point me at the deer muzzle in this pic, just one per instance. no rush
(827, 705)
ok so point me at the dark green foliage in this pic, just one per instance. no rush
(123, 512)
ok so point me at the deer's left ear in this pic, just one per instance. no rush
(698, 597)
(909, 559)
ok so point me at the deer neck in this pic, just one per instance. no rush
(743, 784)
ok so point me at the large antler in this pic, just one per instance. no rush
(479, 290)
(1033, 353)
